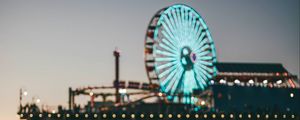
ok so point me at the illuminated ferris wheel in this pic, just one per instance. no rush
(179, 51)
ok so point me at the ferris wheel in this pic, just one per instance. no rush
(179, 51)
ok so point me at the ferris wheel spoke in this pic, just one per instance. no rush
(169, 25)
(175, 80)
(172, 20)
(204, 62)
(203, 48)
(167, 48)
(210, 70)
(165, 82)
(202, 53)
(165, 65)
(168, 43)
(205, 72)
(206, 58)
(165, 53)
(166, 28)
(176, 85)
(202, 75)
(167, 71)
(164, 59)
(198, 80)
(175, 43)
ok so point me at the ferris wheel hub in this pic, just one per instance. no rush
(187, 58)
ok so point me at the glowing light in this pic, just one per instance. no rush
(53, 111)
(265, 81)
(291, 95)
(202, 102)
(95, 115)
(187, 115)
(160, 94)
(251, 81)
(184, 52)
(170, 116)
(38, 100)
(132, 116)
(178, 116)
(123, 91)
(196, 116)
(279, 82)
(25, 93)
(91, 93)
(212, 82)
(237, 81)
(222, 81)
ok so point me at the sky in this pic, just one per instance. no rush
(50, 45)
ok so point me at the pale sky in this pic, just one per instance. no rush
(47, 46)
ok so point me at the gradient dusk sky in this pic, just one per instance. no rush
(48, 45)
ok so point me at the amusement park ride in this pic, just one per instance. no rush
(185, 81)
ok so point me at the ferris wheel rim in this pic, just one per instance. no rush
(162, 13)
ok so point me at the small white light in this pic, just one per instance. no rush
(279, 82)
(205, 115)
(38, 100)
(104, 115)
(40, 115)
(53, 111)
(68, 115)
(161, 115)
(291, 95)
(160, 94)
(123, 91)
(132, 116)
(214, 115)
(49, 115)
(249, 115)
(258, 116)
(202, 102)
(187, 115)
(267, 116)
(293, 116)
(222, 81)
(251, 81)
(170, 115)
(237, 81)
(25, 93)
(123, 115)
(222, 115)
(114, 115)
(265, 81)
(142, 115)
(95, 115)
(86, 115)
(231, 115)
(212, 82)
(178, 115)
(58, 115)
(240, 115)
(31, 115)
(91, 93)
(196, 116)
(76, 115)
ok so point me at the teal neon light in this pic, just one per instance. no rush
(184, 52)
